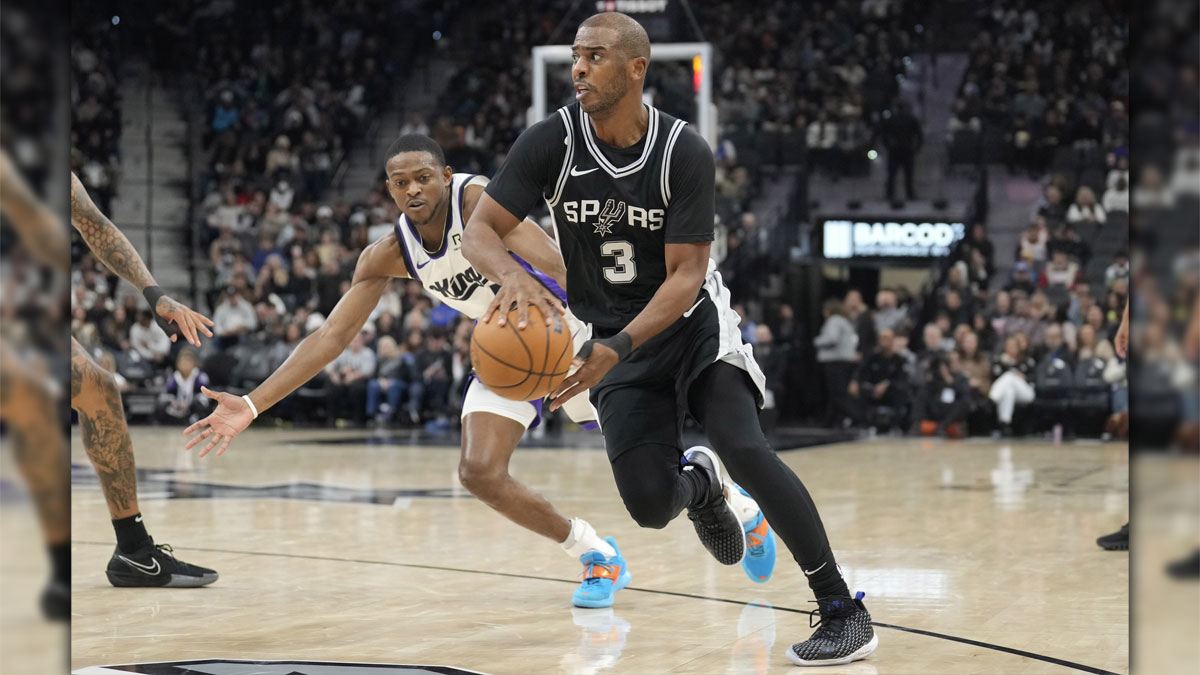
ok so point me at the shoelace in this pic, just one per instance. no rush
(165, 548)
(828, 627)
(589, 578)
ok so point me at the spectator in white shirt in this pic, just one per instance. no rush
(1085, 207)
(349, 375)
(1118, 270)
(148, 340)
(233, 318)
(1116, 198)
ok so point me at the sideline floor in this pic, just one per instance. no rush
(976, 557)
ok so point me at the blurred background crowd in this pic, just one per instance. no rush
(1002, 336)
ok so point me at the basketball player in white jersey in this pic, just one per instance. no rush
(425, 245)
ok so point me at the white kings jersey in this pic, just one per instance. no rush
(446, 274)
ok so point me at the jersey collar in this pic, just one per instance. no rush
(593, 145)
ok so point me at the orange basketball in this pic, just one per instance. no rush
(522, 365)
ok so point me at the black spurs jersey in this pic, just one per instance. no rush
(614, 209)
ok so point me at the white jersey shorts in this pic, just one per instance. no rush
(478, 398)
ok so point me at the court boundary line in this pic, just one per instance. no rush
(917, 631)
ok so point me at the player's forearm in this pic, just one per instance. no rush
(320, 349)
(312, 355)
(486, 252)
(107, 243)
(538, 249)
(676, 295)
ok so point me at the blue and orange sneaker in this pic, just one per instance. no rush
(759, 561)
(603, 576)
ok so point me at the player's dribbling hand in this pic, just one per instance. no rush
(594, 361)
(190, 322)
(521, 290)
(230, 418)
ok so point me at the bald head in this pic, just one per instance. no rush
(631, 39)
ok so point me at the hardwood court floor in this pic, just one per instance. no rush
(976, 557)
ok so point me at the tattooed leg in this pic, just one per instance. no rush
(30, 408)
(95, 397)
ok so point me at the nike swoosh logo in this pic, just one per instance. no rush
(582, 173)
(423, 266)
(689, 312)
(809, 574)
(145, 569)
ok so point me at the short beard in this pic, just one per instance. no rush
(609, 102)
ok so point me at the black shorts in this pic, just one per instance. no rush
(643, 399)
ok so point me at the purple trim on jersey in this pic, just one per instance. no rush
(449, 222)
(546, 279)
(590, 426)
(408, 263)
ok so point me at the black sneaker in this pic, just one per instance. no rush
(1117, 541)
(56, 601)
(844, 634)
(716, 522)
(155, 566)
(1186, 568)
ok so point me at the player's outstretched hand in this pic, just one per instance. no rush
(230, 418)
(593, 361)
(521, 290)
(191, 323)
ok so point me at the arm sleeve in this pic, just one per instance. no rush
(691, 213)
(532, 164)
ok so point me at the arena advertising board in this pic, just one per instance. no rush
(890, 239)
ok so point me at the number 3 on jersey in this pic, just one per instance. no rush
(625, 270)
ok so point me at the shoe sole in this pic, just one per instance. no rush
(1115, 547)
(728, 507)
(862, 653)
(176, 581)
(622, 581)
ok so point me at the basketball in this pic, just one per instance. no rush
(522, 365)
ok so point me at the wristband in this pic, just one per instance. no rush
(620, 343)
(152, 294)
(246, 398)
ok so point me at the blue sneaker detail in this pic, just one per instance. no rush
(759, 562)
(602, 577)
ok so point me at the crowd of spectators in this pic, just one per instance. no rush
(405, 367)
(1046, 90)
(281, 256)
(95, 113)
(968, 354)
(288, 88)
(828, 72)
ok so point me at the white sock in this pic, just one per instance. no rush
(583, 539)
(745, 507)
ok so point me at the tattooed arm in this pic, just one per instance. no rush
(40, 230)
(113, 249)
(107, 242)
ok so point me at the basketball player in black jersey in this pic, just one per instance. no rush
(631, 195)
